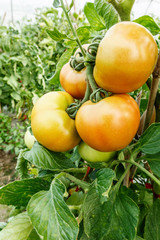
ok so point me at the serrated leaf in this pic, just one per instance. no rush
(154, 162)
(12, 81)
(56, 3)
(115, 219)
(96, 21)
(149, 23)
(63, 60)
(104, 181)
(42, 158)
(56, 35)
(18, 193)
(21, 166)
(149, 142)
(122, 218)
(16, 96)
(107, 11)
(84, 33)
(50, 214)
(18, 229)
(152, 224)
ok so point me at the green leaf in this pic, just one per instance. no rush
(149, 142)
(50, 214)
(107, 11)
(76, 198)
(149, 23)
(115, 219)
(34, 235)
(139, 238)
(16, 96)
(56, 35)
(12, 81)
(22, 166)
(154, 162)
(63, 60)
(104, 181)
(152, 224)
(84, 33)
(18, 193)
(18, 229)
(56, 3)
(96, 21)
(42, 158)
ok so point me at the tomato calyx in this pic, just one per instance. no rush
(92, 50)
(73, 108)
(77, 61)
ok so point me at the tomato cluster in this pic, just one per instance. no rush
(125, 59)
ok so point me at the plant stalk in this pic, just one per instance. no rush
(153, 93)
(117, 186)
(72, 28)
(89, 73)
(145, 171)
(82, 184)
(123, 8)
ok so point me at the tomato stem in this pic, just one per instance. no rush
(72, 28)
(123, 8)
(89, 73)
(75, 170)
(97, 93)
(145, 171)
(153, 93)
(82, 184)
(117, 186)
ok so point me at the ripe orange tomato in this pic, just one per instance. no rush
(72, 81)
(51, 125)
(125, 58)
(110, 124)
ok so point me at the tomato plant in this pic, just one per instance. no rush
(126, 57)
(110, 124)
(51, 125)
(91, 155)
(72, 81)
(90, 174)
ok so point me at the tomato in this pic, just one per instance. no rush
(72, 81)
(29, 139)
(110, 124)
(50, 123)
(91, 155)
(125, 58)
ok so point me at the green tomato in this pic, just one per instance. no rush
(91, 155)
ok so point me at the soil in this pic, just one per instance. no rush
(7, 174)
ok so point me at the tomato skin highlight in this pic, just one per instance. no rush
(110, 124)
(72, 81)
(91, 155)
(51, 125)
(125, 58)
